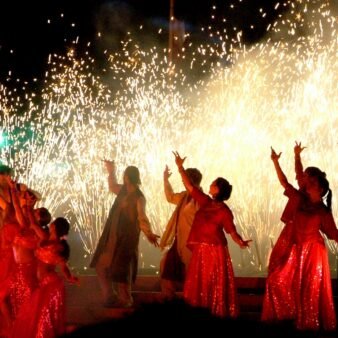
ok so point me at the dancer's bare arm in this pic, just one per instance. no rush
(280, 174)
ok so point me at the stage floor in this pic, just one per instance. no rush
(84, 302)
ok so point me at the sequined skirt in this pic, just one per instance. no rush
(22, 283)
(301, 290)
(210, 280)
(44, 315)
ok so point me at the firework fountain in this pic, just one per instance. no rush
(268, 94)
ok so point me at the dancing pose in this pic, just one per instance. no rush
(175, 261)
(45, 313)
(210, 279)
(22, 280)
(298, 286)
(116, 255)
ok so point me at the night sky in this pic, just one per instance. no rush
(26, 37)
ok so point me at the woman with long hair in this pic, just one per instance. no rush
(298, 286)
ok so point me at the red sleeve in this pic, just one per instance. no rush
(292, 204)
(228, 223)
(10, 231)
(329, 227)
(300, 180)
(291, 192)
(199, 196)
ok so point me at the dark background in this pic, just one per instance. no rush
(26, 39)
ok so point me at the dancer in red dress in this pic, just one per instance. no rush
(8, 223)
(21, 281)
(210, 278)
(44, 315)
(298, 286)
(9, 228)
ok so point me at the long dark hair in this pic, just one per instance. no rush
(133, 174)
(314, 172)
(323, 183)
(326, 191)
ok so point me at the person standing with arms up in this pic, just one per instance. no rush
(210, 281)
(116, 255)
(298, 286)
(176, 260)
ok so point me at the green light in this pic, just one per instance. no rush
(2, 139)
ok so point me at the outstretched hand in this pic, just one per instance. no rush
(166, 173)
(74, 280)
(178, 159)
(298, 148)
(245, 243)
(153, 239)
(274, 155)
(110, 165)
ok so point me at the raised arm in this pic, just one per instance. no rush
(19, 214)
(170, 195)
(298, 164)
(179, 162)
(114, 187)
(40, 233)
(281, 176)
(144, 222)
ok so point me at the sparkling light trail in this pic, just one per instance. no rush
(272, 93)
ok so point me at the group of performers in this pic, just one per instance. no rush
(298, 286)
(32, 246)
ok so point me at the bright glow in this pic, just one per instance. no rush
(270, 94)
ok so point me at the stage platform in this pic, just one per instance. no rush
(84, 302)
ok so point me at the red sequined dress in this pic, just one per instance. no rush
(44, 315)
(298, 286)
(7, 234)
(210, 278)
(23, 279)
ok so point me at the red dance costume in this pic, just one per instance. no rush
(44, 315)
(7, 235)
(23, 278)
(298, 286)
(210, 278)
(22, 284)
